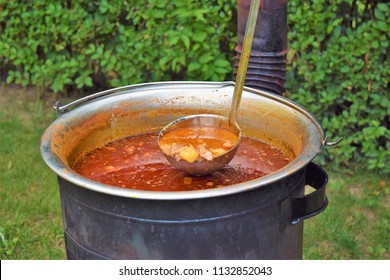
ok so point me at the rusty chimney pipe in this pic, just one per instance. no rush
(267, 62)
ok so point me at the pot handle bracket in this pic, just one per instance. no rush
(296, 209)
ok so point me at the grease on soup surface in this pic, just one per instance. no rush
(137, 162)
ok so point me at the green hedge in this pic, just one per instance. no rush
(338, 58)
(62, 44)
(339, 69)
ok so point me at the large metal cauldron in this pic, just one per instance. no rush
(259, 219)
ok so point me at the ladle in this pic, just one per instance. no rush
(203, 167)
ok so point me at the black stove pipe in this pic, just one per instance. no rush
(268, 58)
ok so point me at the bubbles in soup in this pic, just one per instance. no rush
(137, 162)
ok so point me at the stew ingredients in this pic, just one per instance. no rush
(198, 143)
(137, 162)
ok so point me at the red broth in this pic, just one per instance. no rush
(137, 162)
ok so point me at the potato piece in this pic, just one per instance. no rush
(189, 153)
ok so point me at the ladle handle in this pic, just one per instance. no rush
(244, 59)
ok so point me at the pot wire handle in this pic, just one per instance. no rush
(62, 109)
(334, 143)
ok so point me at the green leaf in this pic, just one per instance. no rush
(159, 13)
(88, 81)
(205, 58)
(9, 251)
(199, 36)
(221, 70)
(221, 63)
(383, 26)
(193, 66)
(173, 40)
(336, 32)
(379, 14)
(163, 62)
(90, 49)
(186, 41)
(345, 69)
(10, 78)
(383, 7)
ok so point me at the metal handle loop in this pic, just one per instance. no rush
(61, 109)
(331, 144)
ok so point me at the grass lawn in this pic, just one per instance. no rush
(356, 224)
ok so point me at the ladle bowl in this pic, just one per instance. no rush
(202, 167)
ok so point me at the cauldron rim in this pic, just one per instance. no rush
(299, 163)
